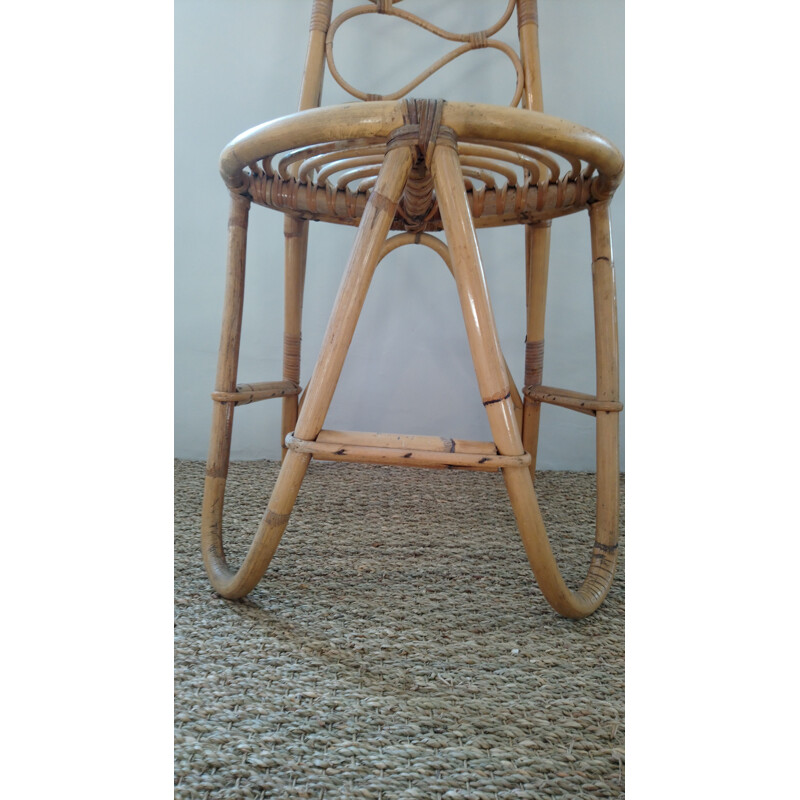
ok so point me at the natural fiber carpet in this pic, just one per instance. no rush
(398, 646)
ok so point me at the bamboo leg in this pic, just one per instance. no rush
(226, 581)
(537, 257)
(607, 355)
(363, 259)
(492, 382)
(222, 578)
(295, 232)
(228, 358)
(490, 368)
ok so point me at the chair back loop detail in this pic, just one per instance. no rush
(476, 40)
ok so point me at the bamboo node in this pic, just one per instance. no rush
(478, 40)
(527, 12)
(492, 400)
(275, 520)
(291, 357)
(320, 16)
(606, 548)
(382, 203)
(534, 362)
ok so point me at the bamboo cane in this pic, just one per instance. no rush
(537, 257)
(484, 346)
(489, 166)
(363, 259)
(296, 248)
(607, 354)
(404, 451)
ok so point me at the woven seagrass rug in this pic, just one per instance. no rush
(397, 647)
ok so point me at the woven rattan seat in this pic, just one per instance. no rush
(421, 166)
(506, 182)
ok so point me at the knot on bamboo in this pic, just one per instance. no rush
(534, 362)
(291, 357)
(384, 6)
(422, 131)
(478, 39)
(321, 15)
(527, 12)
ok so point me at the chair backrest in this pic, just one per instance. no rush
(324, 27)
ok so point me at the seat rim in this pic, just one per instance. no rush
(378, 119)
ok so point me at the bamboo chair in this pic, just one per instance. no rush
(420, 166)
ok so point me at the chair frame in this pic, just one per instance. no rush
(414, 132)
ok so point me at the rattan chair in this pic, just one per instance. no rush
(421, 166)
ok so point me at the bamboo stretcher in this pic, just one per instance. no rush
(421, 166)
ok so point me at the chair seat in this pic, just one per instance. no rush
(519, 166)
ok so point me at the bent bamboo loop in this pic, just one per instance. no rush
(372, 232)
(472, 41)
(484, 344)
(443, 251)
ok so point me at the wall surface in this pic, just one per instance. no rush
(238, 63)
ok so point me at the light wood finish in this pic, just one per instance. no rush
(230, 338)
(421, 166)
(528, 29)
(607, 426)
(296, 230)
(311, 92)
(485, 349)
(296, 248)
(352, 292)
(490, 369)
(435, 444)
(596, 166)
(364, 258)
(537, 264)
(247, 393)
(566, 398)
(405, 451)
(471, 41)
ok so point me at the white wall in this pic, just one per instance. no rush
(238, 63)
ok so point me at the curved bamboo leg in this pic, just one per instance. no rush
(226, 581)
(493, 384)
(364, 257)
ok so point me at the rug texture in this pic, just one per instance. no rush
(397, 647)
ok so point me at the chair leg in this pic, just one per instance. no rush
(607, 356)
(537, 258)
(295, 232)
(364, 257)
(495, 392)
